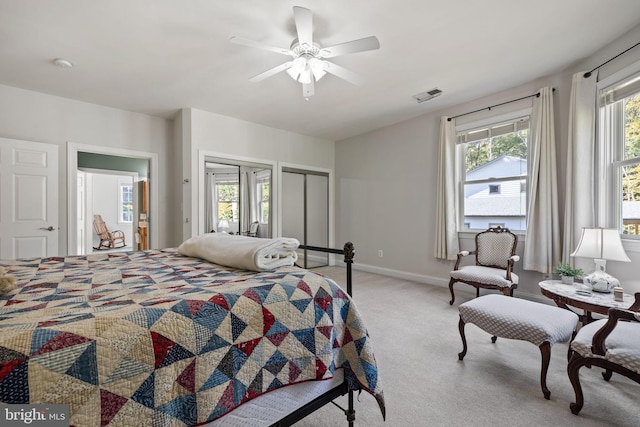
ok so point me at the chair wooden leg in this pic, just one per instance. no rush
(453, 297)
(464, 340)
(545, 351)
(573, 369)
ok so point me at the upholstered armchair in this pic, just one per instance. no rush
(612, 344)
(495, 256)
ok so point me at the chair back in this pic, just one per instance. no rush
(100, 227)
(495, 246)
(253, 227)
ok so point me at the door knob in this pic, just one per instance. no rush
(49, 228)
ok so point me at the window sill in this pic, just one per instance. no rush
(631, 245)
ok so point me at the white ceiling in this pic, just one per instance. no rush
(158, 56)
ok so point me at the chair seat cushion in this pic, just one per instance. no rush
(516, 318)
(623, 344)
(487, 275)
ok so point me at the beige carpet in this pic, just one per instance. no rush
(416, 339)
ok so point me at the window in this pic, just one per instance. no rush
(263, 198)
(126, 203)
(492, 166)
(619, 155)
(228, 191)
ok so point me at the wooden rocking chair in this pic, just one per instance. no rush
(108, 239)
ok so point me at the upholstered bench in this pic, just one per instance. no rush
(518, 319)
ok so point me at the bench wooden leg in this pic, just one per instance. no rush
(545, 351)
(464, 340)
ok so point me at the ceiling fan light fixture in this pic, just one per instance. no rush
(305, 76)
(318, 68)
(298, 67)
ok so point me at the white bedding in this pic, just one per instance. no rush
(271, 407)
(246, 253)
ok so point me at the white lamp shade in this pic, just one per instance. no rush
(601, 243)
(223, 224)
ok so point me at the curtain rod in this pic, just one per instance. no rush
(537, 95)
(588, 73)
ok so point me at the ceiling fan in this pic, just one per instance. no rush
(308, 63)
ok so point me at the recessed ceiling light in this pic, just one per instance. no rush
(62, 63)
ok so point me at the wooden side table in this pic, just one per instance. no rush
(565, 296)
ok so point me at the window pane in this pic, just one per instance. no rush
(630, 173)
(495, 182)
(632, 127)
(482, 208)
(126, 203)
(630, 178)
(479, 153)
(228, 201)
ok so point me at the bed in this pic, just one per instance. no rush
(157, 338)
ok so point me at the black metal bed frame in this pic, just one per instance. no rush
(342, 389)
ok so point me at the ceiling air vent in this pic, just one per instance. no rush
(425, 96)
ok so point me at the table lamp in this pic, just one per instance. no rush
(601, 244)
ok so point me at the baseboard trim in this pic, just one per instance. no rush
(436, 281)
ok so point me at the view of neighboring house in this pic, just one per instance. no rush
(495, 201)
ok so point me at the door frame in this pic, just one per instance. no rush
(72, 184)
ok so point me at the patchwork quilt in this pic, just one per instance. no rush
(156, 338)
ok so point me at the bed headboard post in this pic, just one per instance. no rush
(348, 259)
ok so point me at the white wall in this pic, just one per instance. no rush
(386, 182)
(39, 117)
(238, 139)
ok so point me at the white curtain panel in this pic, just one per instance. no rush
(253, 197)
(211, 207)
(542, 243)
(446, 237)
(579, 198)
(245, 202)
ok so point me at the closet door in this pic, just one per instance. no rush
(317, 218)
(293, 205)
(305, 213)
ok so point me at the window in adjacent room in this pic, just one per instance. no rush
(125, 205)
(263, 184)
(619, 155)
(492, 166)
(228, 191)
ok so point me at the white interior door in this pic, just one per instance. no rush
(29, 194)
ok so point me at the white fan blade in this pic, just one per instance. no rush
(308, 89)
(343, 73)
(251, 43)
(360, 45)
(271, 72)
(304, 25)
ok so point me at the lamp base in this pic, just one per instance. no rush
(600, 280)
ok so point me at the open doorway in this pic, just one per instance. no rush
(106, 160)
(108, 201)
